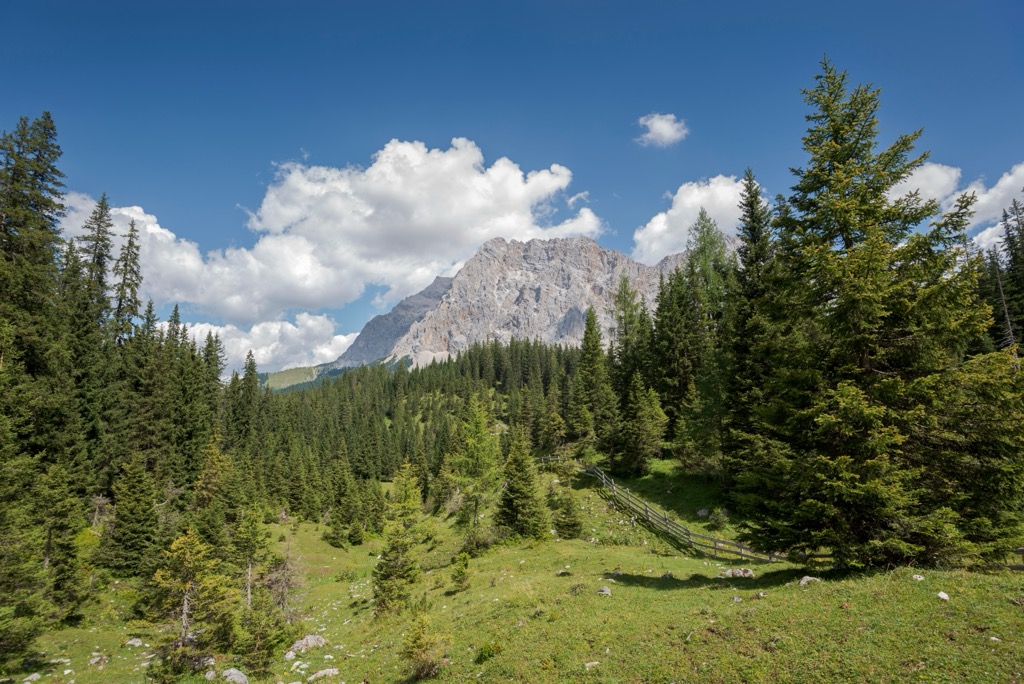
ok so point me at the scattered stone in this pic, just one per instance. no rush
(592, 663)
(738, 572)
(61, 661)
(737, 599)
(943, 595)
(917, 578)
(668, 575)
(210, 662)
(99, 660)
(210, 675)
(308, 642)
(994, 639)
(136, 642)
(34, 677)
(807, 579)
(290, 655)
(234, 676)
(703, 513)
(604, 591)
(67, 672)
(760, 595)
(329, 672)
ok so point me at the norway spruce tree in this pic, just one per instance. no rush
(520, 508)
(857, 446)
(128, 543)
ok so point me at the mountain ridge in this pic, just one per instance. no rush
(538, 289)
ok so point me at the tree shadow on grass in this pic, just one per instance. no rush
(767, 580)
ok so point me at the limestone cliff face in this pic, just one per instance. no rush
(534, 290)
(378, 338)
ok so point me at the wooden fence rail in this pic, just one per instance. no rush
(725, 549)
(658, 520)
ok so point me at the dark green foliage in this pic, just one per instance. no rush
(61, 515)
(460, 572)
(750, 299)
(870, 321)
(642, 430)
(567, 520)
(395, 573)
(708, 286)
(520, 508)
(250, 547)
(128, 543)
(594, 383)
(263, 632)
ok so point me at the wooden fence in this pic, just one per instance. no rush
(681, 535)
(658, 520)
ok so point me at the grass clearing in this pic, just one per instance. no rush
(532, 612)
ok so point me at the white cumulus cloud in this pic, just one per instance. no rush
(943, 184)
(308, 341)
(662, 130)
(933, 181)
(668, 232)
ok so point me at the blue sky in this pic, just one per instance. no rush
(293, 169)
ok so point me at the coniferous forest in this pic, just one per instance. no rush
(846, 373)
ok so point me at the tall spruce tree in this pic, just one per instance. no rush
(594, 381)
(128, 544)
(756, 257)
(520, 508)
(875, 313)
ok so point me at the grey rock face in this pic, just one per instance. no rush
(539, 290)
(378, 337)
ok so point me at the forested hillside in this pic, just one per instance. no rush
(848, 377)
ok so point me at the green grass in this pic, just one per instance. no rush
(532, 613)
(682, 495)
(289, 377)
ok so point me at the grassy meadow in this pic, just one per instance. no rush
(532, 612)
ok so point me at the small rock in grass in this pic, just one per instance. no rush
(210, 675)
(136, 642)
(943, 595)
(807, 579)
(308, 642)
(738, 572)
(99, 661)
(604, 591)
(737, 599)
(329, 672)
(592, 663)
(34, 677)
(760, 595)
(290, 655)
(994, 639)
(917, 578)
(668, 575)
(234, 676)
